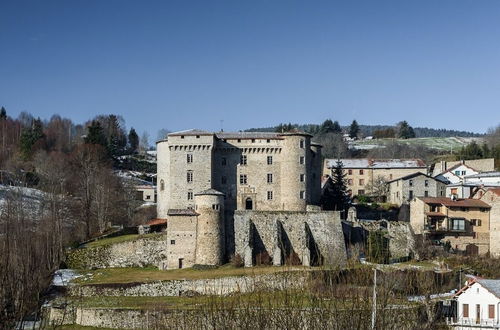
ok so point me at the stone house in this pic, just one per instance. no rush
(414, 185)
(363, 173)
(464, 223)
(146, 193)
(492, 198)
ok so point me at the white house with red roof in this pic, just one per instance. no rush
(478, 305)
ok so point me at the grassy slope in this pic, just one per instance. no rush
(118, 239)
(434, 142)
(133, 275)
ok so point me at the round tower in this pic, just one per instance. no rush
(295, 159)
(209, 204)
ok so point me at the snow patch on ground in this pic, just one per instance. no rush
(62, 277)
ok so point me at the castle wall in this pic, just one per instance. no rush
(302, 231)
(294, 147)
(163, 179)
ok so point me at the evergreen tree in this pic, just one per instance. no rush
(133, 140)
(486, 151)
(335, 197)
(30, 136)
(354, 130)
(96, 135)
(3, 113)
(283, 128)
(336, 127)
(405, 131)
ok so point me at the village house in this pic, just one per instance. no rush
(472, 183)
(491, 197)
(414, 185)
(146, 193)
(456, 174)
(480, 165)
(478, 305)
(362, 173)
(464, 223)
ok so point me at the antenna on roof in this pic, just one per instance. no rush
(222, 125)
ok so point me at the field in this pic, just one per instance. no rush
(442, 144)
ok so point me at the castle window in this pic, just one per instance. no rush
(302, 194)
(162, 185)
(411, 183)
(426, 193)
(411, 194)
(349, 182)
(253, 140)
(302, 160)
(269, 195)
(243, 179)
(190, 195)
(190, 176)
(349, 172)
(361, 172)
(189, 158)
(269, 160)
(268, 141)
(197, 136)
(224, 161)
(302, 177)
(269, 178)
(172, 241)
(301, 143)
(361, 182)
(426, 183)
(243, 159)
(361, 192)
(239, 140)
(223, 180)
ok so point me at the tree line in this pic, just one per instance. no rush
(57, 187)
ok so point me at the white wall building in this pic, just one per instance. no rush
(478, 305)
(456, 174)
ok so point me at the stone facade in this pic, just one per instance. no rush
(314, 237)
(464, 223)
(362, 173)
(492, 198)
(415, 185)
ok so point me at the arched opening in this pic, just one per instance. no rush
(162, 185)
(248, 204)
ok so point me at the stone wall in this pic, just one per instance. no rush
(141, 252)
(215, 286)
(314, 237)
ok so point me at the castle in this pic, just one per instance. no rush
(218, 190)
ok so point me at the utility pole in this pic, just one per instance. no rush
(374, 303)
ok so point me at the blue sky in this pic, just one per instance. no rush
(184, 64)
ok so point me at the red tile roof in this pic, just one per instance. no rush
(455, 203)
(155, 222)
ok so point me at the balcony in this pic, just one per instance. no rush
(470, 323)
(437, 223)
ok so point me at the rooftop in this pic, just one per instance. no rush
(492, 286)
(209, 192)
(465, 202)
(180, 212)
(410, 176)
(484, 175)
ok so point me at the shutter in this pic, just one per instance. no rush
(491, 311)
(465, 310)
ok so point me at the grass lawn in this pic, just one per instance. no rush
(445, 143)
(119, 239)
(131, 275)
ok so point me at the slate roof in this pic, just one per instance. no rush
(465, 202)
(193, 131)
(247, 135)
(410, 176)
(188, 212)
(209, 192)
(378, 163)
(492, 286)
(483, 175)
